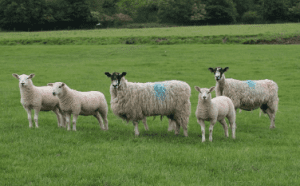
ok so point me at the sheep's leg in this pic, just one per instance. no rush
(233, 127)
(177, 127)
(202, 125)
(36, 117)
(104, 117)
(171, 125)
(59, 117)
(211, 128)
(136, 129)
(75, 116)
(145, 123)
(68, 118)
(100, 121)
(224, 124)
(272, 117)
(29, 117)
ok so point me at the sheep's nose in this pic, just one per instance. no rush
(204, 97)
(53, 93)
(22, 84)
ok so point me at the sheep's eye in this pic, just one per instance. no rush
(59, 87)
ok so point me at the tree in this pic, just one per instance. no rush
(220, 11)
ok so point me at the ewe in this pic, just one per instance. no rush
(248, 95)
(136, 101)
(37, 98)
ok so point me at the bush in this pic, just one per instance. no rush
(175, 11)
(251, 17)
(273, 10)
(220, 12)
(294, 13)
(110, 21)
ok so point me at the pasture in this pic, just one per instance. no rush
(49, 155)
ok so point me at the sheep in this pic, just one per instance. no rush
(135, 101)
(80, 103)
(38, 99)
(214, 110)
(248, 95)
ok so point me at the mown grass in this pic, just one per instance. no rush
(53, 156)
(172, 35)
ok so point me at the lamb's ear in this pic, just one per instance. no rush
(123, 74)
(107, 74)
(31, 76)
(198, 89)
(16, 76)
(225, 69)
(50, 84)
(211, 89)
(211, 69)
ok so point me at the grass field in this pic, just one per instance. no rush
(171, 35)
(53, 156)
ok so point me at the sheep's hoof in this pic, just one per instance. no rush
(272, 127)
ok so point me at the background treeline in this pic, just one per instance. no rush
(62, 14)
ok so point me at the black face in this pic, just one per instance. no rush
(218, 72)
(115, 78)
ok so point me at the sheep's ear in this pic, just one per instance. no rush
(16, 76)
(50, 84)
(123, 74)
(107, 74)
(62, 85)
(211, 69)
(225, 69)
(31, 76)
(211, 89)
(198, 89)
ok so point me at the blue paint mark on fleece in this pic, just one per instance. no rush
(251, 84)
(160, 91)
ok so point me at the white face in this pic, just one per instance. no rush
(204, 93)
(24, 79)
(218, 74)
(57, 88)
(114, 83)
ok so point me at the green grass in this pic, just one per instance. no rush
(53, 156)
(171, 35)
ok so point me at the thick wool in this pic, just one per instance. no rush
(214, 110)
(135, 101)
(262, 94)
(81, 103)
(37, 98)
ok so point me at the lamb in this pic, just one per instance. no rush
(80, 103)
(135, 101)
(248, 95)
(38, 99)
(214, 110)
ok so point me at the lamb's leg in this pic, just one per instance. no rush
(145, 123)
(75, 116)
(104, 117)
(211, 128)
(202, 125)
(59, 117)
(68, 118)
(29, 116)
(136, 129)
(36, 116)
(100, 121)
(272, 117)
(224, 124)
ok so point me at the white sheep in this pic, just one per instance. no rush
(37, 98)
(248, 95)
(136, 101)
(80, 103)
(214, 110)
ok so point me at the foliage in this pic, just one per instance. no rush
(175, 11)
(251, 17)
(272, 10)
(294, 12)
(220, 11)
(198, 11)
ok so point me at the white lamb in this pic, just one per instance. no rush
(248, 95)
(136, 101)
(80, 103)
(214, 110)
(37, 98)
